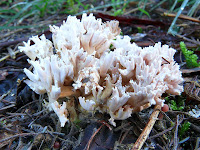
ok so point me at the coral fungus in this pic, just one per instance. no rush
(120, 81)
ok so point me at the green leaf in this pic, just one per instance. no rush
(8, 11)
(190, 57)
(19, 13)
(17, 27)
(144, 11)
(139, 29)
(118, 12)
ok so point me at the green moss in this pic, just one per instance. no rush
(184, 128)
(176, 105)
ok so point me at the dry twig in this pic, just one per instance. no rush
(7, 56)
(161, 133)
(182, 17)
(187, 39)
(146, 131)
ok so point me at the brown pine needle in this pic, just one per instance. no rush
(182, 17)
(92, 137)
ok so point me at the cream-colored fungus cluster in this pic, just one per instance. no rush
(111, 74)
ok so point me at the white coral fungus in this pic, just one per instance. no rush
(120, 81)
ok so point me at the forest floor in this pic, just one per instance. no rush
(25, 124)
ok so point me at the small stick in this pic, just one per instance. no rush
(7, 107)
(18, 135)
(176, 133)
(7, 56)
(182, 17)
(187, 39)
(146, 131)
(161, 133)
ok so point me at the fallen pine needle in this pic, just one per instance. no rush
(7, 56)
(88, 146)
(92, 137)
(182, 17)
(146, 131)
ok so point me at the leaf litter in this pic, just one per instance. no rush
(25, 125)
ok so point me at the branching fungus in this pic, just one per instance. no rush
(119, 82)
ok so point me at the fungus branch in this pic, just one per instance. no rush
(79, 63)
